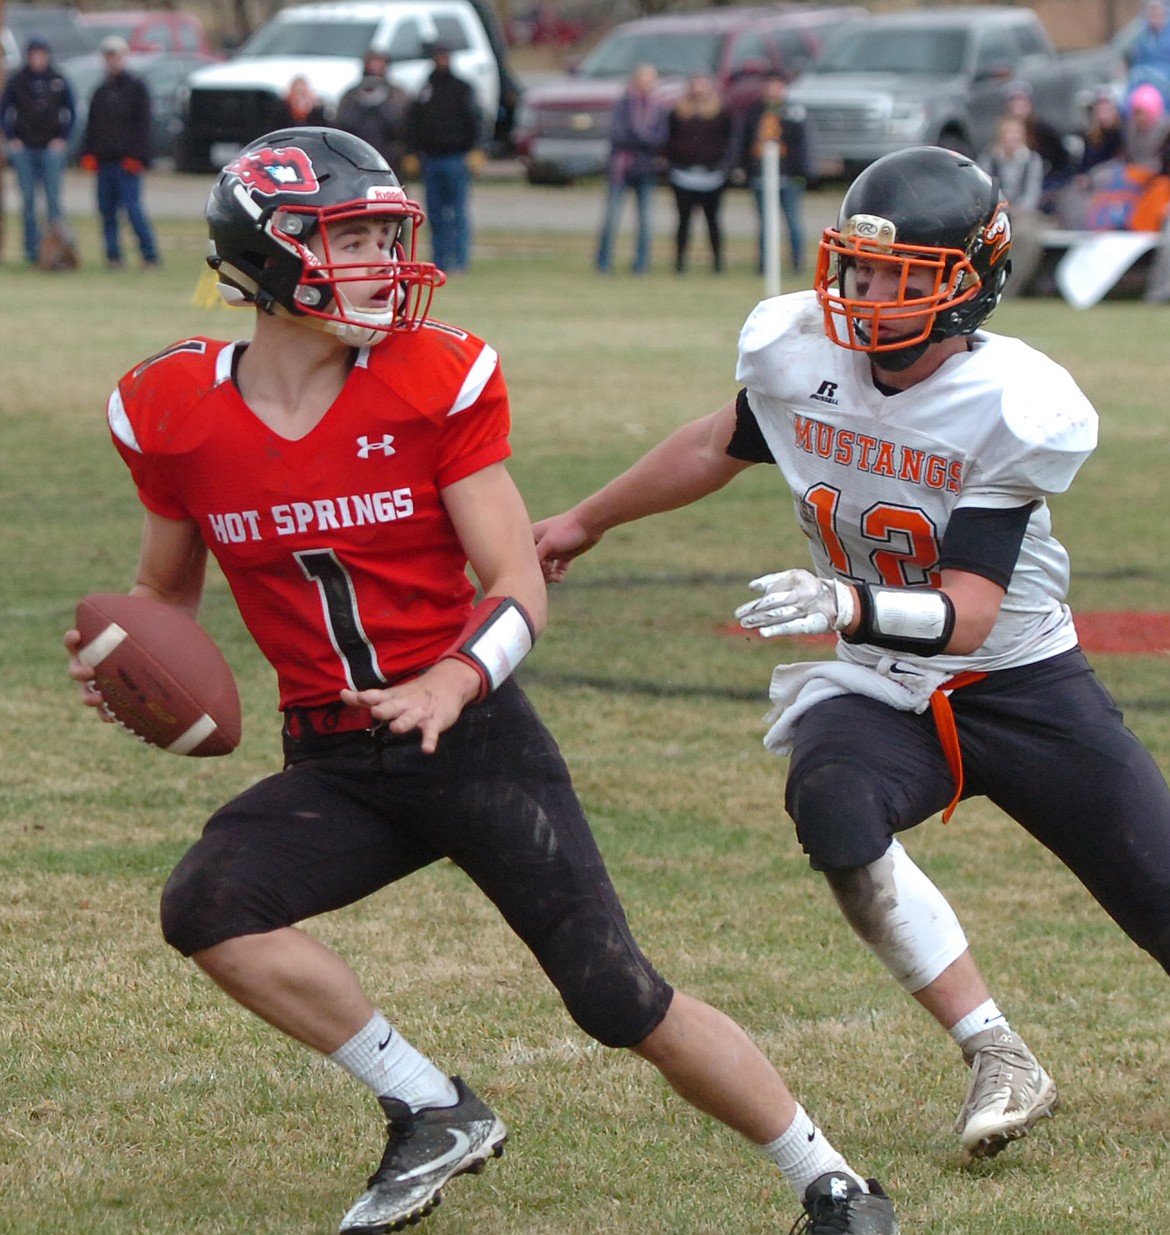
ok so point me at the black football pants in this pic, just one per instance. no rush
(355, 812)
(1045, 743)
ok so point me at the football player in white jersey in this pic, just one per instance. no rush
(920, 451)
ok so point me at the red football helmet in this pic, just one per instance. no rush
(919, 254)
(290, 185)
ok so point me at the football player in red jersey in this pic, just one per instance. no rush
(345, 466)
(920, 451)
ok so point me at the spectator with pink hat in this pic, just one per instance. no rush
(1146, 126)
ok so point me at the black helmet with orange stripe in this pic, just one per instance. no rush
(936, 228)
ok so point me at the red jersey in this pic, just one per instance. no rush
(337, 547)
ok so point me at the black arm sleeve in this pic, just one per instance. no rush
(747, 442)
(985, 541)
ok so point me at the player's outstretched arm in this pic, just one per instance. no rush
(690, 463)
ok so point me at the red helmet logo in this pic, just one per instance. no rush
(287, 169)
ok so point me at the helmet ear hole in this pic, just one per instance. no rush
(308, 296)
(289, 223)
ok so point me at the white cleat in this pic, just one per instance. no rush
(1008, 1095)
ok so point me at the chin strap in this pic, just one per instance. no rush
(497, 637)
(902, 358)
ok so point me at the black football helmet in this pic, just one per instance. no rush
(935, 226)
(289, 185)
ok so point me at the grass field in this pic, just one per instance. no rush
(137, 1100)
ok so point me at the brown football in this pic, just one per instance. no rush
(160, 674)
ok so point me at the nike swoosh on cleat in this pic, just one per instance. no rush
(457, 1151)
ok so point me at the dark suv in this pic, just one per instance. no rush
(562, 127)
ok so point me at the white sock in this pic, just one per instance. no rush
(981, 1018)
(382, 1059)
(803, 1153)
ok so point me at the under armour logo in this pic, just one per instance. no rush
(365, 445)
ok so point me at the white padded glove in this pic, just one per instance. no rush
(795, 602)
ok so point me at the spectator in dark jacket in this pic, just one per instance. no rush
(1102, 152)
(117, 147)
(443, 130)
(772, 118)
(1105, 134)
(375, 110)
(699, 153)
(37, 113)
(638, 133)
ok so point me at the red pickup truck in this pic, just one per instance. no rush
(150, 30)
(562, 124)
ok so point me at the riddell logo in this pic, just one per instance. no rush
(826, 392)
(270, 171)
(384, 193)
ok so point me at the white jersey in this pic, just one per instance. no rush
(875, 477)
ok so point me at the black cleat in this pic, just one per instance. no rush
(424, 1149)
(835, 1204)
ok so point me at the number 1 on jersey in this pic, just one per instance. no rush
(339, 602)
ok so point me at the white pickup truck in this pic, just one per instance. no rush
(938, 77)
(228, 105)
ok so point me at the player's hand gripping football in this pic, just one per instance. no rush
(84, 675)
(795, 602)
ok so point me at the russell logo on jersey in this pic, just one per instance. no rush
(826, 392)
